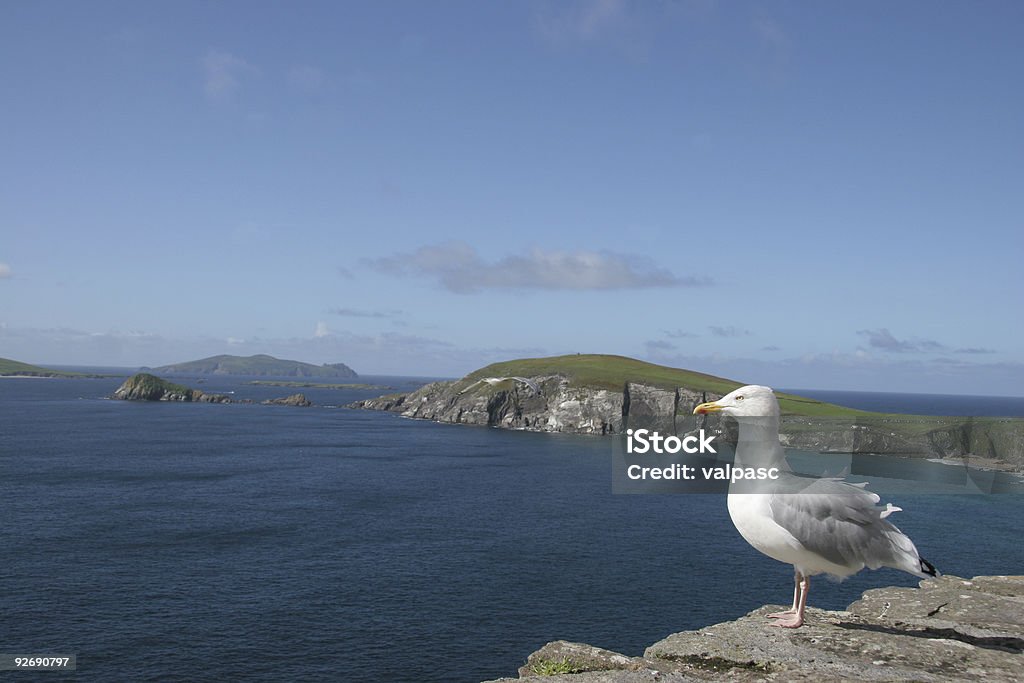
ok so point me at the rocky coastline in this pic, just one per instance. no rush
(948, 629)
(563, 406)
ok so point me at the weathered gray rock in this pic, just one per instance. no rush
(949, 629)
(559, 407)
(650, 408)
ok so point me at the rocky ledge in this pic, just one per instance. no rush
(145, 387)
(949, 629)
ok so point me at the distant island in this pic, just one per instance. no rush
(260, 365)
(13, 368)
(317, 385)
(605, 394)
(146, 387)
(143, 386)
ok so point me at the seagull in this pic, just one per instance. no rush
(820, 526)
(497, 380)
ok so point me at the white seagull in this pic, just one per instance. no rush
(820, 526)
(497, 380)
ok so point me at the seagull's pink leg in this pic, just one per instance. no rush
(797, 577)
(797, 620)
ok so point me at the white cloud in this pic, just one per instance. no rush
(5, 271)
(223, 73)
(459, 268)
(321, 330)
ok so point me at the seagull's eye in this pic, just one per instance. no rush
(739, 398)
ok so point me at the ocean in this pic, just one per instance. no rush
(202, 542)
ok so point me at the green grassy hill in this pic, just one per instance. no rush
(257, 365)
(13, 367)
(601, 371)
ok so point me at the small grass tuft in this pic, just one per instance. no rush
(554, 667)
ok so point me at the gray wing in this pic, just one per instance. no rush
(471, 386)
(530, 383)
(841, 522)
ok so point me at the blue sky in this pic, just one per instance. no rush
(806, 195)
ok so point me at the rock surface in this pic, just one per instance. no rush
(299, 400)
(949, 629)
(145, 387)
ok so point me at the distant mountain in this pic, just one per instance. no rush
(17, 368)
(259, 366)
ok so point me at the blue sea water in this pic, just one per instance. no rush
(181, 542)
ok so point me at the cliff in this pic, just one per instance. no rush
(559, 406)
(948, 629)
(260, 365)
(609, 394)
(146, 387)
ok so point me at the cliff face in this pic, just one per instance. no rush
(561, 406)
(949, 629)
(557, 407)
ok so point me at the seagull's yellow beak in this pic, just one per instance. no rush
(705, 408)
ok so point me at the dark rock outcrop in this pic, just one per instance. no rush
(949, 629)
(299, 400)
(145, 387)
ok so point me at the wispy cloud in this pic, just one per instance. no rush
(457, 267)
(321, 330)
(581, 20)
(858, 372)
(680, 334)
(974, 350)
(658, 345)
(882, 338)
(223, 73)
(770, 348)
(730, 331)
(617, 24)
(363, 313)
(5, 271)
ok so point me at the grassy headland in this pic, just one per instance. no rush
(17, 368)
(602, 371)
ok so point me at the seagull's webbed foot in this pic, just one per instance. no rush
(782, 615)
(794, 617)
(790, 621)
